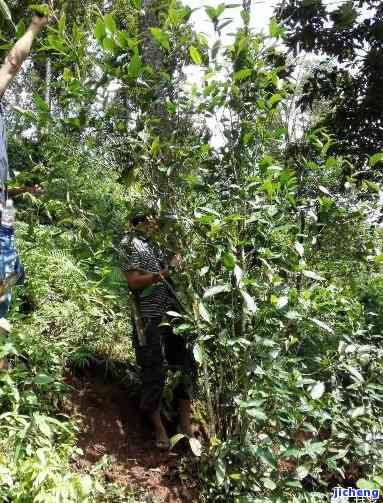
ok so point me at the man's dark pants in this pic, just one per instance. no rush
(163, 349)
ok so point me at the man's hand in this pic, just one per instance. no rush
(164, 272)
(19, 52)
(36, 190)
(38, 22)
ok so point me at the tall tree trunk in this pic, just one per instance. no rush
(48, 81)
(159, 122)
(153, 55)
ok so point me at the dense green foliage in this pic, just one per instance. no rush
(350, 36)
(282, 277)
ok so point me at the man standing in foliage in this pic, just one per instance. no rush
(146, 267)
(9, 261)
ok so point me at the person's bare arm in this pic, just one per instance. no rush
(31, 189)
(19, 53)
(138, 280)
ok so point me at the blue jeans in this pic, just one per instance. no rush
(9, 263)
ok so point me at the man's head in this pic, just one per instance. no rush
(150, 223)
(145, 222)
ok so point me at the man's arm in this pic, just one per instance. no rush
(32, 189)
(19, 53)
(138, 280)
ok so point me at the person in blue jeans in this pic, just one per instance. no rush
(10, 266)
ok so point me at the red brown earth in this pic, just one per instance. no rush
(113, 425)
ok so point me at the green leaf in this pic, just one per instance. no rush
(198, 353)
(374, 159)
(110, 23)
(291, 453)
(183, 327)
(266, 456)
(215, 49)
(43, 379)
(61, 24)
(42, 107)
(275, 98)
(203, 312)
(366, 484)
(26, 113)
(215, 290)
(355, 373)
(269, 484)
(134, 67)
(136, 3)
(344, 16)
(211, 12)
(195, 55)
(247, 137)
(229, 260)
(123, 39)
(250, 303)
(324, 190)
(274, 28)
(6, 12)
(175, 439)
(6, 476)
(174, 314)
(358, 411)
(202, 40)
(317, 390)
(220, 472)
(293, 483)
(42, 9)
(99, 30)
(251, 404)
(282, 302)
(224, 24)
(42, 424)
(323, 325)
(8, 349)
(243, 74)
(171, 107)
(161, 37)
(67, 74)
(313, 275)
(20, 29)
(315, 448)
(220, 9)
(109, 44)
(155, 147)
(173, 16)
(302, 472)
(299, 248)
(257, 414)
(195, 446)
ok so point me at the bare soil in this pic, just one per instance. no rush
(113, 425)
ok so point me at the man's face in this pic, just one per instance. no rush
(149, 227)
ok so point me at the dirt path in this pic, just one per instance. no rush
(113, 426)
